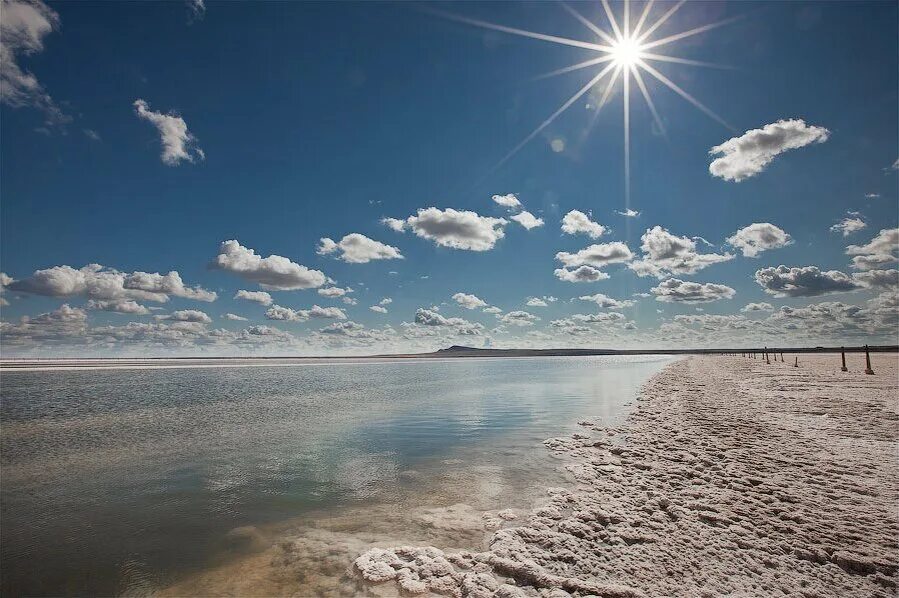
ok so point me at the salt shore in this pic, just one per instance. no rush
(732, 477)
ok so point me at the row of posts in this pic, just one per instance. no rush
(766, 355)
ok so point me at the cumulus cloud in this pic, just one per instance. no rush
(457, 229)
(751, 307)
(748, 155)
(492, 310)
(194, 316)
(260, 297)
(469, 301)
(121, 306)
(358, 249)
(100, 283)
(679, 291)
(508, 201)
(234, 317)
(394, 223)
(385, 301)
(880, 251)
(5, 281)
(379, 309)
(273, 272)
(22, 31)
(197, 9)
(276, 312)
(540, 301)
(178, 144)
(665, 254)
(759, 237)
(849, 225)
(628, 213)
(430, 317)
(527, 220)
(605, 301)
(807, 281)
(519, 318)
(878, 279)
(334, 292)
(597, 255)
(580, 274)
(575, 222)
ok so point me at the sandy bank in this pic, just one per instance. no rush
(732, 477)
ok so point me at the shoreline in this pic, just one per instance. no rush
(731, 476)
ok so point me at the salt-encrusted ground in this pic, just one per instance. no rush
(732, 477)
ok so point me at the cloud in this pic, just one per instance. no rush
(197, 10)
(580, 274)
(349, 300)
(872, 195)
(575, 222)
(597, 255)
(260, 297)
(508, 201)
(273, 272)
(5, 281)
(457, 229)
(878, 279)
(540, 301)
(100, 283)
(187, 315)
(469, 301)
(759, 237)
(234, 317)
(492, 310)
(748, 155)
(355, 248)
(379, 309)
(807, 281)
(751, 307)
(605, 301)
(429, 317)
(527, 220)
(394, 223)
(385, 301)
(849, 225)
(628, 213)
(22, 31)
(519, 318)
(178, 144)
(679, 291)
(665, 254)
(276, 312)
(121, 306)
(880, 251)
(334, 292)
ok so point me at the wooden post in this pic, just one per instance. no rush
(767, 357)
(796, 363)
(843, 353)
(868, 369)
(781, 357)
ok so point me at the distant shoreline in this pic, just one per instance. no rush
(454, 352)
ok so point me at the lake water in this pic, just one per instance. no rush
(135, 480)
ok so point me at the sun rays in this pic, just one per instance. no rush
(623, 54)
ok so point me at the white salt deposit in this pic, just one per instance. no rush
(732, 477)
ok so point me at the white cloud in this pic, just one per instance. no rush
(748, 155)
(527, 220)
(629, 213)
(234, 317)
(665, 254)
(273, 272)
(508, 201)
(121, 306)
(872, 195)
(605, 301)
(492, 310)
(334, 292)
(349, 300)
(580, 274)
(519, 318)
(807, 281)
(880, 251)
(679, 291)
(379, 309)
(385, 301)
(22, 31)
(759, 237)
(358, 249)
(457, 229)
(536, 302)
(276, 312)
(394, 223)
(575, 222)
(751, 307)
(597, 255)
(178, 144)
(849, 225)
(430, 317)
(469, 301)
(877, 279)
(260, 297)
(197, 9)
(194, 316)
(98, 282)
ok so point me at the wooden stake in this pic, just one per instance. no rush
(843, 353)
(868, 369)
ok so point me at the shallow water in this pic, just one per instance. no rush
(125, 481)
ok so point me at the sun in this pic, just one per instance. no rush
(626, 52)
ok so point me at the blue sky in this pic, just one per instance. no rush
(310, 121)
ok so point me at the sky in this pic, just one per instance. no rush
(205, 178)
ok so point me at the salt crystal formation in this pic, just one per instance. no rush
(732, 477)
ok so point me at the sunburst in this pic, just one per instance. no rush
(624, 55)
